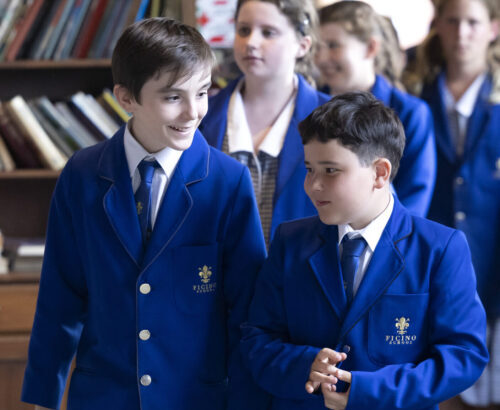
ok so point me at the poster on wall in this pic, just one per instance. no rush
(215, 21)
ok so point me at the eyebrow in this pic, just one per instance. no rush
(168, 89)
(324, 163)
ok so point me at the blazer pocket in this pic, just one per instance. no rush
(397, 329)
(198, 280)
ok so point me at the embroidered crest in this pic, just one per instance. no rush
(205, 273)
(402, 324)
(207, 284)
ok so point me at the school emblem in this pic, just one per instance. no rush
(207, 284)
(401, 337)
(139, 207)
(205, 273)
(402, 324)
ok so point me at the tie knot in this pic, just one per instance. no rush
(147, 169)
(353, 247)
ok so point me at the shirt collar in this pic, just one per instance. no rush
(238, 131)
(373, 231)
(465, 105)
(135, 153)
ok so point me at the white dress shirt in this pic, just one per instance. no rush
(167, 158)
(371, 234)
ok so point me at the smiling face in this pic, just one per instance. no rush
(265, 44)
(465, 30)
(345, 62)
(340, 187)
(167, 116)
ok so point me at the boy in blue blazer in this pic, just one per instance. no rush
(365, 306)
(152, 249)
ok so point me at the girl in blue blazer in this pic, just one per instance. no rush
(255, 117)
(359, 51)
(460, 83)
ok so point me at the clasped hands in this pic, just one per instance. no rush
(325, 374)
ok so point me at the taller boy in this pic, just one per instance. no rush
(153, 318)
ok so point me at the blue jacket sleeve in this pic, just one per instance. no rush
(457, 355)
(416, 177)
(60, 307)
(280, 367)
(244, 253)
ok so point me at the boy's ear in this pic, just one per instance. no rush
(305, 43)
(495, 27)
(124, 98)
(383, 168)
(372, 47)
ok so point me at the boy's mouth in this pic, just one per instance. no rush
(180, 129)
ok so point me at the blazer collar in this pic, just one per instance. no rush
(119, 204)
(386, 264)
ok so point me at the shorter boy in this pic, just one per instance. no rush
(388, 297)
(153, 246)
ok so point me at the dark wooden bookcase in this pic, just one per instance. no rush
(25, 196)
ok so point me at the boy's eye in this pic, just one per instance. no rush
(203, 93)
(330, 170)
(332, 45)
(243, 31)
(267, 32)
(172, 98)
(309, 170)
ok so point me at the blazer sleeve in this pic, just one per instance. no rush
(60, 307)
(457, 353)
(278, 366)
(244, 253)
(416, 176)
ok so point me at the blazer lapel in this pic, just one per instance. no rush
(177, 201)
(385, 265)
(325, 264)
(118, 201)
(434, 97)
(479, 119)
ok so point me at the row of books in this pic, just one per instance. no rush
(62, 29)
(21, 254)
(39, 133)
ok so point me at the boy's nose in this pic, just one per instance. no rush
(253, 39)
(191, 110)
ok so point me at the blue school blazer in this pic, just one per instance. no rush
(416, 327)
(290, 200)
(414, 182)
(467, 194)
(189, 289)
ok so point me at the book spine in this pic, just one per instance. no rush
(49, 154)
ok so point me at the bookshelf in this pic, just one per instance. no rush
(24, 205)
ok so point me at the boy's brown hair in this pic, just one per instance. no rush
(157, 45)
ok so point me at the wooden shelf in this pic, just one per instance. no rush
(52, 64)
(18, 277)
(30, 174)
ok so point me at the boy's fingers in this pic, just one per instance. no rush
(318, 377)
(343, 375)
(322, 367)
(311, 386)
(326, 354)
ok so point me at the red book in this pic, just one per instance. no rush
(89, 28)
(23, 29)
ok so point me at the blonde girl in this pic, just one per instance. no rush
(457, 73)
(254, 119)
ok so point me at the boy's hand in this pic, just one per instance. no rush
(334, 400)
(323, 369)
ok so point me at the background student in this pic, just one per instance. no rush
(152, 249)
(359, 51)
(458, 75)
(389, 294)
(254, 119)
